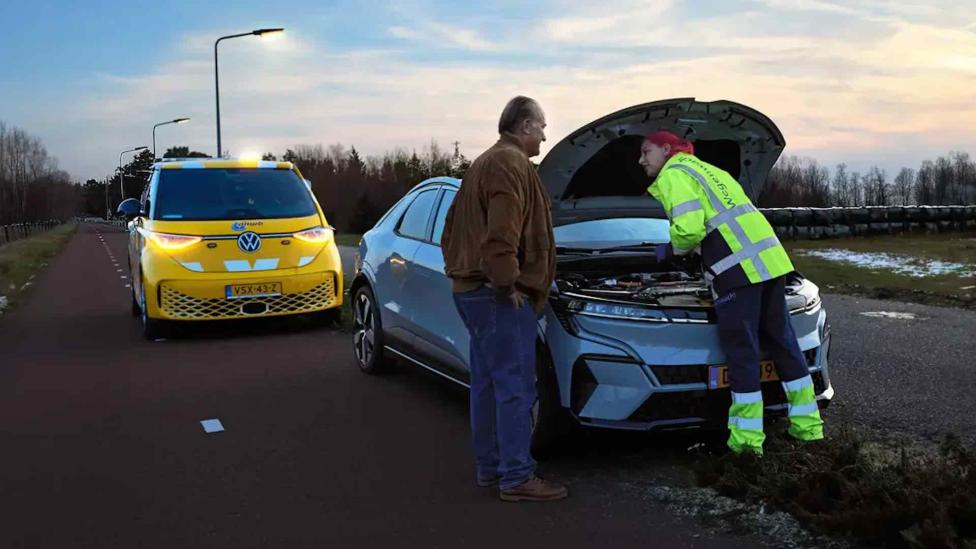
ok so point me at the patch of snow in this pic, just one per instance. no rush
(890, 314)
(898, 264)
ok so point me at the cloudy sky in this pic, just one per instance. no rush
(862, 81)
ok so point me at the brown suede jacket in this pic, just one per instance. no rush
(499, 228)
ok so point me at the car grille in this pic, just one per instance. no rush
(176, 304)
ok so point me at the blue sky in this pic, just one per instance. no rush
(865, 81)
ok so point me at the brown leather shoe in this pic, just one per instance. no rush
(535, 489)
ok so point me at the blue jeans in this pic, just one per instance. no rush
(502, 362)
(753, 318)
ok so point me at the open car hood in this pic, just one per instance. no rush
(593, 173)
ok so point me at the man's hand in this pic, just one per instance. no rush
(517, 299)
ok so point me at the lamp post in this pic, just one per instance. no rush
(258, 32)
(176, 121)
(122, 173)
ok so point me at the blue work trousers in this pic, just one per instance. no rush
(752, 318)
(502, 362)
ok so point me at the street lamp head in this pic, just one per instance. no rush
(264, 33)
(142, 148)
(181, 120)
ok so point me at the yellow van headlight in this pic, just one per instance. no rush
(316, 235)
(170, 242)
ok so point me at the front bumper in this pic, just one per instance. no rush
(205, 300)
(657, 376)
(174, 293)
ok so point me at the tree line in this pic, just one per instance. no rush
(794, 181)
(356, 190)
(32, 187)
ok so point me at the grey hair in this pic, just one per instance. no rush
(517, 110)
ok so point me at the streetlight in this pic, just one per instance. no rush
(122, 173)
(258, 32)
(177, 121)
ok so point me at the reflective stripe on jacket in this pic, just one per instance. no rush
(708, 208)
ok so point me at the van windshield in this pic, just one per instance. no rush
(231, 193)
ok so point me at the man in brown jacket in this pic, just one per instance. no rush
(499, 251)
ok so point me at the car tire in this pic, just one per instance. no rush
(367, 336)
(553, 425)
(152, 329)
(136, 308)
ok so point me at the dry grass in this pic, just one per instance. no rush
(875, 492)
(946, 289)
(20, 261)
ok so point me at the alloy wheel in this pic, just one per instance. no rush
(364, 327)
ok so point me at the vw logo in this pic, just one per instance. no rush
(249, 242)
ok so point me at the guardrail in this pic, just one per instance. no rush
(18, 231)
(814, 223)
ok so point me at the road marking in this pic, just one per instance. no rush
(890, 314)
(212, 426)
(123, 276)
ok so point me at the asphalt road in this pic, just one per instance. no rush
(912, 375)
(101, 443)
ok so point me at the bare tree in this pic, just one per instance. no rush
(904, 187)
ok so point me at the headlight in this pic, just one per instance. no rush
(316, 235)
(170, 242)
(614, 310)
(803, 297)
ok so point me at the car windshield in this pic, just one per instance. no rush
(606, 233)
(231, 193)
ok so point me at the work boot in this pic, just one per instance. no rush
(535, 489)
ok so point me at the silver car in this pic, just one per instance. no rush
(625, 342)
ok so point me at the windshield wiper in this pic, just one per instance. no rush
(642, 247)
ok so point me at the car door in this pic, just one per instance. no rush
(393, 276)
(441, 335)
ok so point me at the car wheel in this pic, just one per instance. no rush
(136, 308)
(152, 329)
(367, 336)
(552, 424)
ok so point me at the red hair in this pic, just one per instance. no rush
(664, 137)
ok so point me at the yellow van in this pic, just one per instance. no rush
(229, 239)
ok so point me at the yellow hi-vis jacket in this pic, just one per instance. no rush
(708, 208)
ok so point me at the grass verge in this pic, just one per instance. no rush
(875, 492)
(944, 289)
(348, 239)
(20, 262)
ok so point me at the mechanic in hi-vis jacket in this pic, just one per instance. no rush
(745, 266)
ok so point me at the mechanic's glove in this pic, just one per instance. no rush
(664, 252)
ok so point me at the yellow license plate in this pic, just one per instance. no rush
(266, 289)
(718, 376)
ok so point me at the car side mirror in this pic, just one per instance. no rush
(130, 208)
